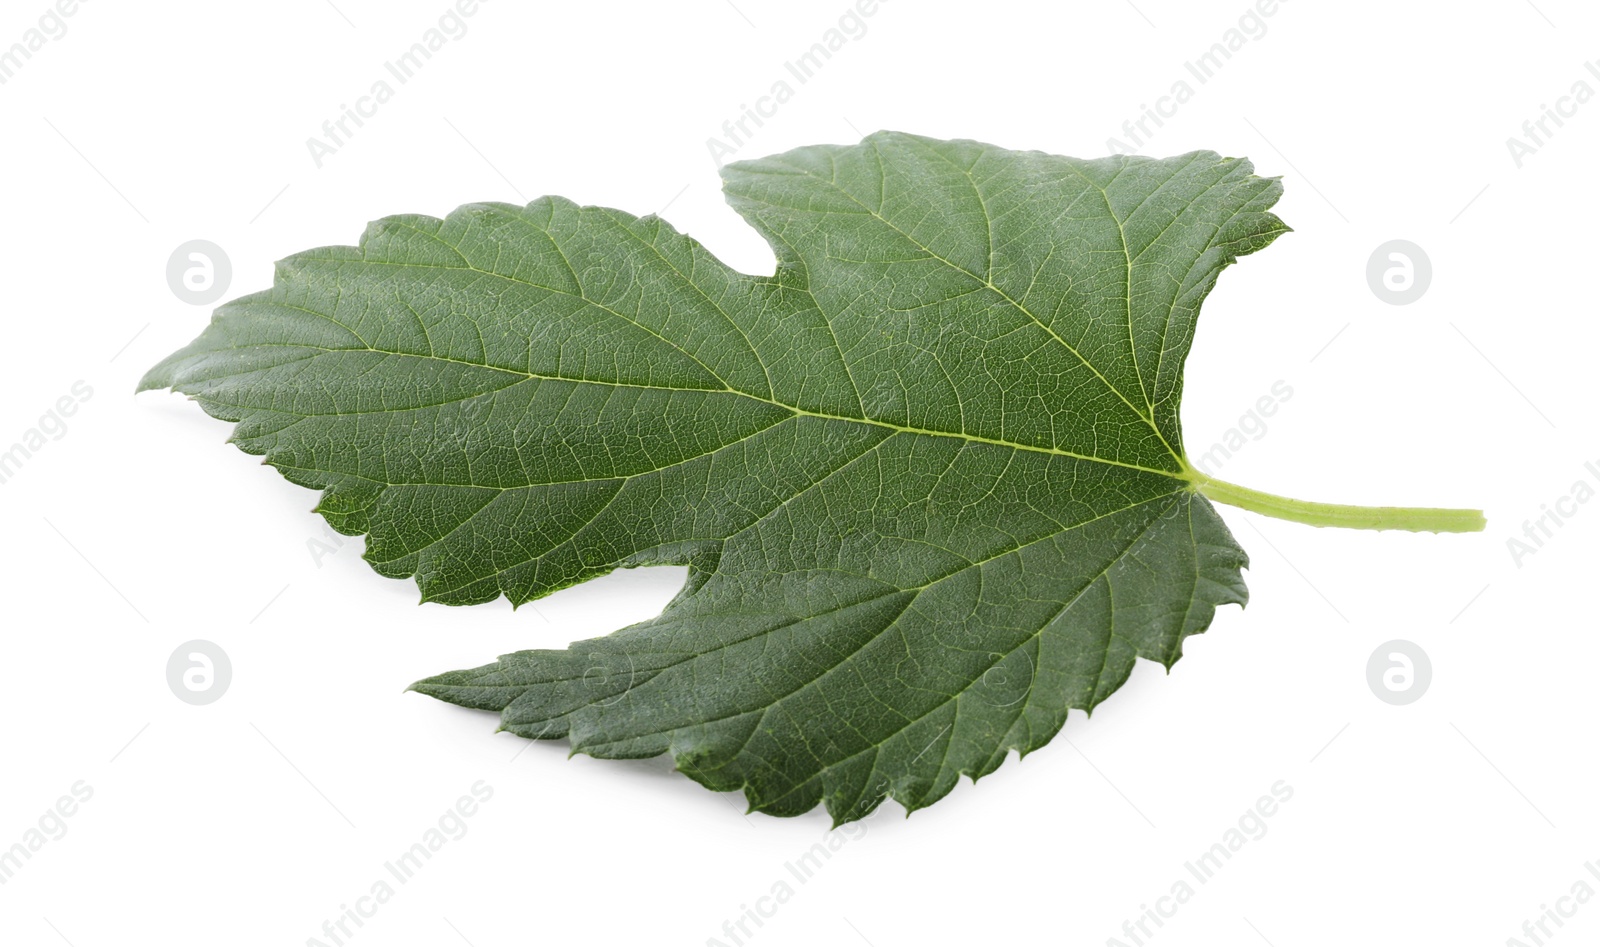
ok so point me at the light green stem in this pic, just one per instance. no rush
(1416, 519)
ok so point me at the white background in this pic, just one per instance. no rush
(253, 819)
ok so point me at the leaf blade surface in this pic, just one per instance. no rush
(927, 477)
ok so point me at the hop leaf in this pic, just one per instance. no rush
(927, 478)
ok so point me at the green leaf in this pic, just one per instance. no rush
(928, 478)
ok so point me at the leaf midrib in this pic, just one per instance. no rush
(793, 409)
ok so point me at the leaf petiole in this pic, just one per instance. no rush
(1413, 518)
